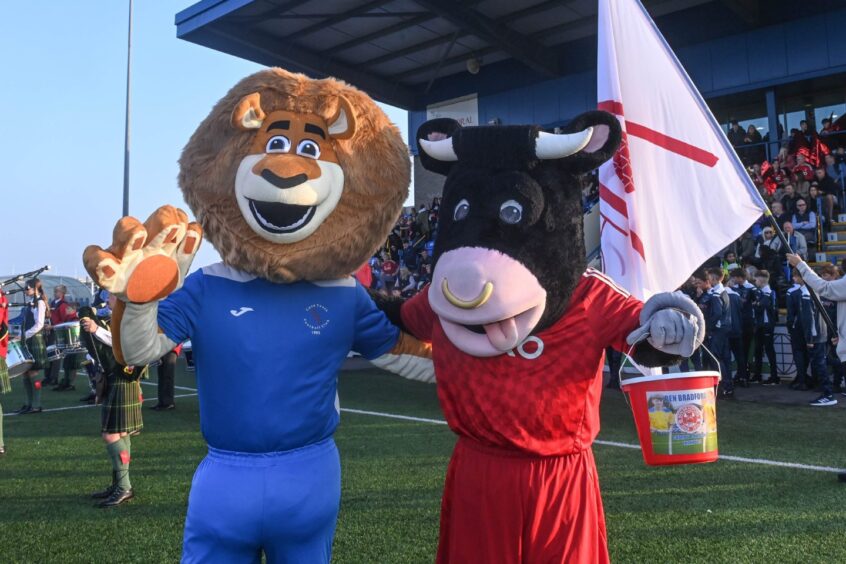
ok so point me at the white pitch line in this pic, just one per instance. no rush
(763, 461)
(70, 407)
(731, 458)
(394, 416)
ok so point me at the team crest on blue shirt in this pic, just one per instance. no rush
(317, 318)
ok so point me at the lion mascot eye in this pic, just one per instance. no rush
(308, 148)
(278, 144)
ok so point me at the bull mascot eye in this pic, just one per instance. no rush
(462, 210)
(511, 212)
(308, 148)
(278, 144)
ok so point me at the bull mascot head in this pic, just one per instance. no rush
(510, 246)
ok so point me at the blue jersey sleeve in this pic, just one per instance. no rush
(374, 334)
(179, 312)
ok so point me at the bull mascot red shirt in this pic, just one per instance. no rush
(518, 328)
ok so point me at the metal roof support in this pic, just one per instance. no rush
(441, 62)
(512, 17)
(337, 18)
(270, 50)
(399, 26)
(522, 48)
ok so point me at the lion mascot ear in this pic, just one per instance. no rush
(248, 114)
(342, 124)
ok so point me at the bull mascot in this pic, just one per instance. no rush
(518, 328)
(296, 182)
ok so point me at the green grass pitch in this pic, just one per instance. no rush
(393, 472)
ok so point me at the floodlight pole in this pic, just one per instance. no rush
(126, 127)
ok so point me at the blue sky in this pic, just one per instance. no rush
(63, 69)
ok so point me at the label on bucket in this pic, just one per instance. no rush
(683, 422)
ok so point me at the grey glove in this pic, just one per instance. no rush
(672, 323)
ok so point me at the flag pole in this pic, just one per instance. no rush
(816, 299)
(744, 175)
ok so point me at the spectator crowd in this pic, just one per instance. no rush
(403, 265)
(804, 186)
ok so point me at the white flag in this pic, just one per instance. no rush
(675, 194)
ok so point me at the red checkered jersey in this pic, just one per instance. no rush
(542, 397)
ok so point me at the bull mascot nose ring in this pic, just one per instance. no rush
(478, 301)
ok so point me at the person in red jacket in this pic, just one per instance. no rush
(62, 312)
(5, 386)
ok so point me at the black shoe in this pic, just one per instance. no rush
(726, 394)
(32, 410)
(771, 382)
(118, 496)
(755, 379)
(68, 388)
(742, 382)
(45, 382)
(23, 409)
(841, 477)
(89, 398)
(799, 387)
(103, 494)
(60, 388)
(162, 407)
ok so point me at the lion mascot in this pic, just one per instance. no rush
(295, 182)
(518, 327)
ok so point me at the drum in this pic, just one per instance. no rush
(67, 336)
(18, 359)
(53, 353)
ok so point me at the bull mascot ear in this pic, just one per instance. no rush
(605, 136)
(437, 157)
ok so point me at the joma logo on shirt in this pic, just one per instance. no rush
(529, 353)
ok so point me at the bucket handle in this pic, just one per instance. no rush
(627, 355)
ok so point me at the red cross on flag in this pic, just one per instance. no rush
(675, 193)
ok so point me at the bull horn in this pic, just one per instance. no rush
(557, 146)
(441, 150)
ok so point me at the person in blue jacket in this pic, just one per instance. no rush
(764, 315)
(798, 343)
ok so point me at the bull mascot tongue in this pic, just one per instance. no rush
(296, 182)
(518, 328)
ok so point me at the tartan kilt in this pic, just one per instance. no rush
(73, 361)
(121, 412)
(5, 384)
(38, 349)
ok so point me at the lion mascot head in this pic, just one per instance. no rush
(294, 178)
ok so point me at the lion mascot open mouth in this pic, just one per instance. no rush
(296, 182)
